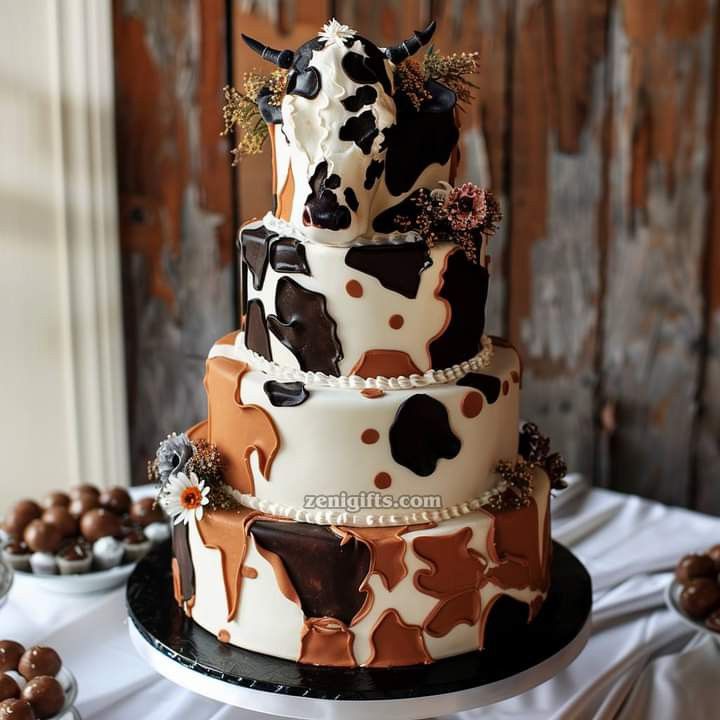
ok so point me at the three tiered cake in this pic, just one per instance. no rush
(361, 493)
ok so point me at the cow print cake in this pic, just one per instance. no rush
(357, 496)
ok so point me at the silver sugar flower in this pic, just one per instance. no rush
(172, 455)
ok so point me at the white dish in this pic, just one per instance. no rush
(69, 685)
(84, 584)
(672, 599)
(6, 581)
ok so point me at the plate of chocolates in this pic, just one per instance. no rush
(86, 540)
(694, 594)
(34, 683)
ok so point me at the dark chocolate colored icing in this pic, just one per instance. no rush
(488, 385)
(287, 255)
(303, 325)
(330, 588)
(373, 173)
(360, 129)
(322, 208)
(396, 267)
(351, 199)
(465, 287)
(181, 550)
(421, 434)
(387, 220)
(285, 394)
(368, 69)
(254, 243)
(256, 332)
(366, 95)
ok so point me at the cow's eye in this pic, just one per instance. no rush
(305, 83)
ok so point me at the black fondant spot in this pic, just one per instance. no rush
(465, 287)
(305, 83)
(181, 550)
(488, 385)
(271, 114)
(387, 220)
(256, 332)
(396, 267)
(367, 70)
(332, 181)
(366, 95)
(421, 434)
(373, 173)
(289, 394)
(254, 243)
(322, 208)
(287, 255)
(360, 129)
(351, 199)
(303, 325)
(326, 589)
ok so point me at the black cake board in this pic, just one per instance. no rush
(518, 656)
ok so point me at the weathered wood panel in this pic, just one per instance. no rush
(175, 198)
(558, 112)
(661, 86)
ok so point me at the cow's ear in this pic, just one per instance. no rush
(442, 98)
(305, 83)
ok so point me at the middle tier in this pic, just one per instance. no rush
(365, 457)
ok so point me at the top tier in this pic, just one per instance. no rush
(356, 134)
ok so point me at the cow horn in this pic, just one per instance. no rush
(409, 47)
(281, 58)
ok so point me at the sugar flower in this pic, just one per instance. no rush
(185, 496)
(335, 32)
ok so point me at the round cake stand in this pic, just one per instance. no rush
(518, 656)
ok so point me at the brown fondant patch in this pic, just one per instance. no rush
(385, 363)
(370, 436)
(505, 387)
(223, 636)
(285, 198)
(383, 481)
(228, 339)
(199, 431)
(354, 289)
(396, 321)
(372, 393)
(281, 577)
(394, 642)
(249, 572)
(327, 641)
(177, 593)
(472, 404)
(227, 531)
(237, 429)
(515, 376)
(462, 608)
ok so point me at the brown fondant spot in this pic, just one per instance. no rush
(372, 393)
(383, 480)
(385, 363)
(228, 339)
(285, 198)
(394, 642)
(396, 321)
(223, 636)
(370, 436)
(354, 289)
(177, 592)
(505, 387)
(464, 608)
(249, 572)
(326, 641)
(515, 376)
(472, 404)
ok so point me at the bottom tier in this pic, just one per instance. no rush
(349, 596)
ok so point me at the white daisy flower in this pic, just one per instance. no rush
(335, 32)
(184, 497)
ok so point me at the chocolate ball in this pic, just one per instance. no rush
(39, 660)
(145, 512)
(56, 499)
(100, 523)
(46, 696)
(16, 710)
(77, 491)
(700, 597)
(62, 519)
(714, 555)
(10, 654)
(116, 500)
(83, 504)
(44, 537)
(20, 515)
(694, 566)
(8, 687)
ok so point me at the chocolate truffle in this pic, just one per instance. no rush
(116, 500)
(56, 499)
(8, 687)
(46, 696)
(20, 516)
(694, 566)
(714, 555)
(82, 490)
(62, 519)
(100, 523)
(10, 654)
(83, 504)
(700, 597)
(43, 537)
(145, 511)
(16, 710)
(38, 661)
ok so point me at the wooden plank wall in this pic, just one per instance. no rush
(595, 123)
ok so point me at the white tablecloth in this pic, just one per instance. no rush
(640, 662)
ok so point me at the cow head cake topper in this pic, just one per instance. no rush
(348, 145)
